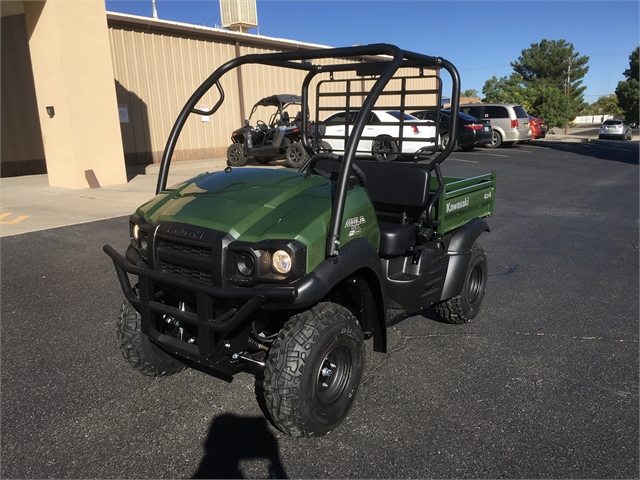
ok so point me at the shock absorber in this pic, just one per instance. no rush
(253, 343)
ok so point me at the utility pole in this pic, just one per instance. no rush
(567, 92)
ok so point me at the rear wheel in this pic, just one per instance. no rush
(236, 156)
(496, 140)
(384, 149)
(313, 370)
(445, 142)
(296, 155)
(139, 351)
(464, 307)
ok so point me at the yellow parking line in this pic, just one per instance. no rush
(14, 221)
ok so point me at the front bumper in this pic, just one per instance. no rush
(219, 310)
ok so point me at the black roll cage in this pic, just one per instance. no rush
(381, 60)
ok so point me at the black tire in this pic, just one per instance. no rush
(464, 307)
(496, 140)
(628, 135)
(296, 155)
(139, 351)
(445, 142)
(325, 147)
(313, 371)
(384, 149)
(262, 160)
(236, 156)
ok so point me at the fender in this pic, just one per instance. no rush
(459, 252)
(358, 262)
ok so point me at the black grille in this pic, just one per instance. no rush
(181, 257)
(191, 252)
(186, 272)
(186, 249)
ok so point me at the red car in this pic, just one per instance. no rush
(538, 127)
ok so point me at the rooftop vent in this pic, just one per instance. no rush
(239, 15)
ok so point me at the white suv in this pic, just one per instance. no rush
(510, 121)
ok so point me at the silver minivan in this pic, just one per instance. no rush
(510, 121)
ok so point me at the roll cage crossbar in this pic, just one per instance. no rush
(381, 60)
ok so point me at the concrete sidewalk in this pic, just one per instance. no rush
(29, 204)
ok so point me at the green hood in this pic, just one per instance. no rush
(255, 204)
(248, 203)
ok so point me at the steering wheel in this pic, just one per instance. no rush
(262, 126)
(362, 180)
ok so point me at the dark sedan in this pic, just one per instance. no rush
(471, 131)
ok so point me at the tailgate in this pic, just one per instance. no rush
(464, 199)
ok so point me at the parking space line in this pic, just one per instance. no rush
(462, 160)
(497, 155)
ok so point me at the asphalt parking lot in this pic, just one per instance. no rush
(542, 384)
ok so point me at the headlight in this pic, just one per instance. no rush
(267, 261)
(139, 235)
(281, 262)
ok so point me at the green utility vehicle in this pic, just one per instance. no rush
(285, 273)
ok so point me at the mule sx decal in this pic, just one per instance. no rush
(354, 224)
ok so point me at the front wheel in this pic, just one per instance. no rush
(313, 370)
(464, 307)
(139, 351)
(236, 156)
(296, 155)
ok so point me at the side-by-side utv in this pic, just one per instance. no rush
(286, 273)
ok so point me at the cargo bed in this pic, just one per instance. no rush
(463, 199)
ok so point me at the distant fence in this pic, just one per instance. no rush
(592, 118)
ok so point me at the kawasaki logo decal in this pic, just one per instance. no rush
(354, 224)
(452, 207)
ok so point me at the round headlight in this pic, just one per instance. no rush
(281, 262)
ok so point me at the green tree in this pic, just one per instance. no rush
(552, 104)
(506, 90)
(469, 93)
(628, 91)
(552, 63)
(607, 105)
(539, 82)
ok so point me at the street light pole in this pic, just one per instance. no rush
(567, 91)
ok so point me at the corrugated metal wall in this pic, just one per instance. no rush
(155, 74)
(157, 70)
(21, 137)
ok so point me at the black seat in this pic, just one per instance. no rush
(400, 193)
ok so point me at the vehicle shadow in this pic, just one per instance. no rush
(233, 440)
(610, 150)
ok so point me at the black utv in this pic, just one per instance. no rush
(278, 138)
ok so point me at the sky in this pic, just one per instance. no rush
(481, 38)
